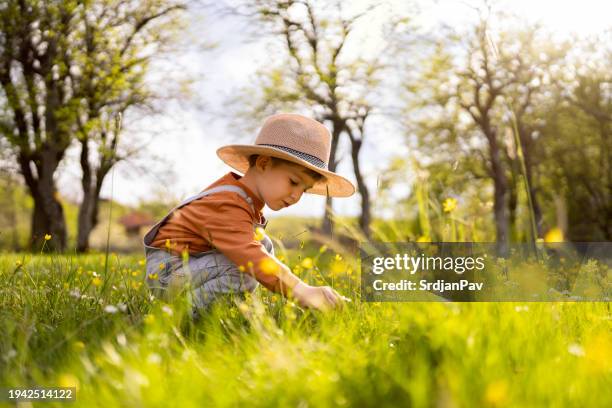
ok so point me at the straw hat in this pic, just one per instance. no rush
(297, 139)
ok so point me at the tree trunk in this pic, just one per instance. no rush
(48, 213)
(364, 217)
(90, 206)
(500, 185)
(48, 218)
(86, 207)
(328, 223)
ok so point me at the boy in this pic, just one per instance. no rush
(221, 228)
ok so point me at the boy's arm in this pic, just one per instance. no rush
(229, 227)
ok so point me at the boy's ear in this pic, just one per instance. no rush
(263, 161)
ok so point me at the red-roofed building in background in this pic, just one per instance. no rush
(133, 221)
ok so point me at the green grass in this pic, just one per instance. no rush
(269, 352)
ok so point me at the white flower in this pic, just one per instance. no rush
(75, 293)
(167, 310)
(121, 339)
(575, 349)
(110, 309)
(154, 358)
(122, 306)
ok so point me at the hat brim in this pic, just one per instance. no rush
(333, 185)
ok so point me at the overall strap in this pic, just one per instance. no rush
(150, 235)
(229, 187)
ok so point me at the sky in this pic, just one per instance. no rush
(187, 135)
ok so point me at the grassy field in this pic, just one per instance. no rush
(78, 321)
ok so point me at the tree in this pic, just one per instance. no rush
(111, 82)
(64, 78)
(316, 75)
(578, 139)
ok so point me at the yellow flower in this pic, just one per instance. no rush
(135, 273)
(496, 393)
(554, 235)
(268, 266)
(449, 204)
(149, 319)
(153, 276)
(96, 281)
(47, 237)
(18, 263)
(423, 238)
(68, 380)
(241, 268)
(168, 245)
(307, 263)
(136, 285)
(141, 262)
(162, 265)
(259, 233)
(323, 249)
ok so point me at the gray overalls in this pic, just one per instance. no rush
(210, 274)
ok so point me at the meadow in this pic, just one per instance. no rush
(89, 321)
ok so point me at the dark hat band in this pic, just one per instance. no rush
(315, 161)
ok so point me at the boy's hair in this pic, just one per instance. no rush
(276, 161)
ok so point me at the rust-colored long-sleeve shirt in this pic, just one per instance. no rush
(224, 220)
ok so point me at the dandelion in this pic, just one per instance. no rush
(307, 263)
(149, 319)
(449, 204)
(162, 265)
(554, 235)
(259, 234)
(141, 262)
(18, 263)
(96, 281)
(110, 309)
(153, 276)
(135, 273)
(136, 285)
(243, 307)
(496, 393)
(68, 381)
(241, 268)
(268, 266)
(47, 237)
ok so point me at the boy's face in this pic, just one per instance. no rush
(281, 184)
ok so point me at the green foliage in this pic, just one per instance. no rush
(66, 323)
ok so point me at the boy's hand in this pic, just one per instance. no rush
(317, 297)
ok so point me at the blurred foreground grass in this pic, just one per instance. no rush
(67, 323)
